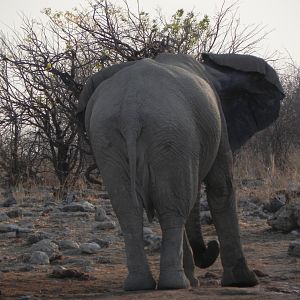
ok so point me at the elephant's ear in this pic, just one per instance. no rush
(253, 100)
(245, 63)
(93, 82)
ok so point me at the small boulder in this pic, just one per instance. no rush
(100, 214)
(79, 207)
(39, 258)
(286, 218)
(3, 217)
(47, 246)
(15, 213)
(8, 227)
(38, 236)
(10, 201)
(101, 243)
(12, 227)
(90, 248)
(275, 203)
(67, 244)
(106, 225)
(151, 241)
(294, 248)
(205, 217)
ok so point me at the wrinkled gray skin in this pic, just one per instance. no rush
(158, 129)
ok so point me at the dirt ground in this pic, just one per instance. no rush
(266, 251)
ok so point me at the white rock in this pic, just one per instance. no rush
(39, 258)
(105, 225)
(90, 248)
(100, 214)
(46, 246)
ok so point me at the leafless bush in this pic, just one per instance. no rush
(44, 66)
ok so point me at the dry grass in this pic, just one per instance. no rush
(247, 166)
(251, 167)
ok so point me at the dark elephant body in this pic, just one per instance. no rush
(158, 129)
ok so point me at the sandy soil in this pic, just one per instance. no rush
(266, 251)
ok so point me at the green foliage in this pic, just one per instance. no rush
(185, 30)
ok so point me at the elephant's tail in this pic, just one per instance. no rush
(132, 157)
(139, 181)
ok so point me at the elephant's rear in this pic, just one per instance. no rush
(143, 115)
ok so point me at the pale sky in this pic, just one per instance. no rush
(280, 16)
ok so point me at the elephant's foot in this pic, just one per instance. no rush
(239, 276)
(172, 279)
(139, 281)
(210, 255)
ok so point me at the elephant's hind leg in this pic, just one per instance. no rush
(221, 199)
(175, 192)
(172, 275)
(130, 217)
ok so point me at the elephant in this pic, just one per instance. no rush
(161, 127)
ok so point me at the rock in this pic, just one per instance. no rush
(48, 247)
(78, 262)
(90, 248)
(257, 213)
(105, 225)
(295, 232)
(39, 258)
(151, 241)
(38, 236)
(8, 235)
(101, 243)
(9, 227)
(4, 228)
(275, 203)
(63, 216)
(100, 214)
(205, 217)
(286, 218)
(249, 203)
(67, 244)
(203, 203)
(26, 223)
(27, 298)
(147, 231)
(50, 203)
(10, 201)
(81, 207)
(30, 214)
(3, 217)
(16, 213)
(294, 248)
